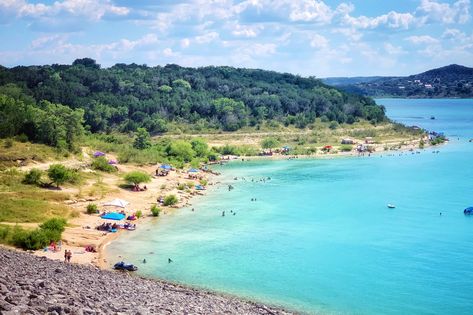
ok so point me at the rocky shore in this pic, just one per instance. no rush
(36, 285)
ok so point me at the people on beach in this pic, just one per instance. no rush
(223, 213)
(67, 256)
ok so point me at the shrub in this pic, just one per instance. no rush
(155, 210)
(49, 231)
(137, 177)
(92, 208)
(333, 125)
(346, 148)
(190, 184)
(139, 214)
(203, 182)
(170, 200)
(181, 186)
(269, 143)
(100, 163)
(33, 177)
(59, 174)
(421, 144)
(8, 143)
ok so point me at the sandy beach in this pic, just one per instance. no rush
(81, 230)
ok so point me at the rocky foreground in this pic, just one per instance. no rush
(36, 285)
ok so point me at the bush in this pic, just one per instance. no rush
(41, 237)
(59, 174)
(269, 143)
(181, 186)
(101, 164)
(155, 210)
(203, 182)
(333, 125)
(346, 148)
(137, 177)
(139, 214)
(92, 208)
(33, 177)
(8, 143)
(170, 200)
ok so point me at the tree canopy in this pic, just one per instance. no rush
(128, 97)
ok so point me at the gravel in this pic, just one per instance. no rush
(36, 285)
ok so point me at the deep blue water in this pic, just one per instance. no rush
(319, 237)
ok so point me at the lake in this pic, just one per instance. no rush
(320, 239)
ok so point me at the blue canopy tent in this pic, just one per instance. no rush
(113, 216)
(166, 167)
(99, 153)
(468, 210)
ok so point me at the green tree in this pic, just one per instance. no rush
(269, 143)
(137, 177)
(142, 140)
(59, 174)
(200, 147)
(181, 150)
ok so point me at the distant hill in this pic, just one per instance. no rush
(449, 81)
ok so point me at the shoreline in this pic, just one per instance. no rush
(45, 285)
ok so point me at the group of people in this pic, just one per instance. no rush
(138, 188)
(67, 256)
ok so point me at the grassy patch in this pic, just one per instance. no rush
(24, 152)
(33, 206)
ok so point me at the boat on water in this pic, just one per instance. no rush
(432, 117)
(468, 211)
(390, 206)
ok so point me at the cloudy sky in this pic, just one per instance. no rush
(307, 37)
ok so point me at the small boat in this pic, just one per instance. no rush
(468, 211)
(390, 206)
(432, 117)
(124, 266)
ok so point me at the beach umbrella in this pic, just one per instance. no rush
(193, 170)
(99, 153)
(117, 203)
(166, 167)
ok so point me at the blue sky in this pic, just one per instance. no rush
(306, 37)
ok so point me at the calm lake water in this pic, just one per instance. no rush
(319, 237)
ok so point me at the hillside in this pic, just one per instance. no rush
(126, 97)
(449, 81)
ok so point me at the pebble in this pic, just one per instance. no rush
(32, 285)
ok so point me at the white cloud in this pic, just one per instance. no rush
(392, 20)
(206, 38)
(185, 42)
(422, 39)
(458, 12)
(310, 10)
(88, 9)
(393, 50)
(167, 52)
(318, 41)
(246, 30)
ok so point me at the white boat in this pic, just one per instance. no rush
(390, 206)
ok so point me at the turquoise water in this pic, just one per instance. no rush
(319, 237)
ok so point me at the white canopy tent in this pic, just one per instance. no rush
(117, 203)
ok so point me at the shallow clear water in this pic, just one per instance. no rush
(319, 237)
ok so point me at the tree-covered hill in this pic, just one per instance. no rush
(126, 97)
(450, 81)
